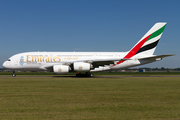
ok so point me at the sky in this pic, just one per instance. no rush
(87, 26)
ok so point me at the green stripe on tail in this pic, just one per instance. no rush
(156, 33)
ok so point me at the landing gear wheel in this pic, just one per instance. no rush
(13, 75)
(84, 75)
(91, 75)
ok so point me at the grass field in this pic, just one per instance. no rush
(61, 98)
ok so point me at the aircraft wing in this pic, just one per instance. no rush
(95, 63)
(102, 62)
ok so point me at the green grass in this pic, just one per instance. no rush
(69, 98)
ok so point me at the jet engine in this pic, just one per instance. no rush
(61, 69)
(81, 66)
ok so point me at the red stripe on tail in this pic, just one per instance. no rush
(134, 50)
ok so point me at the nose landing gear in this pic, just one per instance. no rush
(13, 75)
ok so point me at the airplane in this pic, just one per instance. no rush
(85, 63)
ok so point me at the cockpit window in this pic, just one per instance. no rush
(9, 60)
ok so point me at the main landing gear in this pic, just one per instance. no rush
(13, 75)
(84, 75)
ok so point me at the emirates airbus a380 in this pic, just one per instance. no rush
(88, 62)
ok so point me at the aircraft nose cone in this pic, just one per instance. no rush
(4, 65)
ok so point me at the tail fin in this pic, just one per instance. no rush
(147, 44)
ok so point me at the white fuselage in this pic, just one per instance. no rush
(40, 61)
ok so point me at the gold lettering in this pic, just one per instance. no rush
(51, 58)
(75, 58)
(28, 58)
(54, 58)
(58, 59)
(47, 59)
(35, 58)
(41, 58)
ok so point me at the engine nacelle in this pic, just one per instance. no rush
(60, 69)
(81, 66)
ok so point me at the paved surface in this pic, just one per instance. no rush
(120, 76)
(98, 76)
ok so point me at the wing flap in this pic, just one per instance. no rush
(103, 62)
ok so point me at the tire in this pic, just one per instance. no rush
(13, 75)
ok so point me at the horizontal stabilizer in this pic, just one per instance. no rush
(156, 57)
